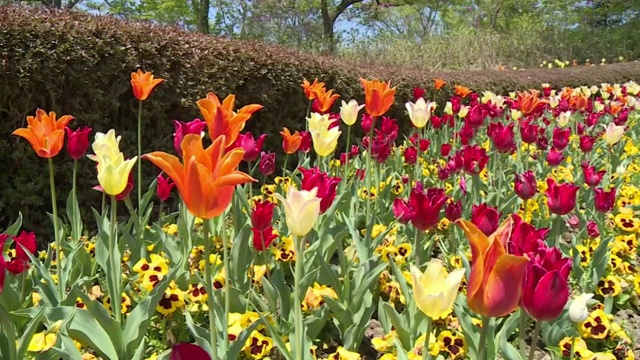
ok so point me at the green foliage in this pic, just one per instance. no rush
(79, 64)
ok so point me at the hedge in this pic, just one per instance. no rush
(80, 64)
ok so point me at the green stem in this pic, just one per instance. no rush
(141, 227)
(534, 339)
(417, 247)
(573, 348)
(213, 334)
(418, 163)
(116, 298)
(284, 168)
(76, 231)
(104, 203)
(306, 123)
(521, 335)
(227, 276)
(484, 332)
(425, 349)
(58, 237)
(298, 321)
(367, 179)
(346, 162)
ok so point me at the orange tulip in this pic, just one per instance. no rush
(378, 96)
(208, 176)
(325, 99)
(222, 120)
(494, 287)
(462, 91)
(310, 89)
(530, 102)
(438, 83)
(44, 133)
(290, 142)
(143, 83)
(578, 102)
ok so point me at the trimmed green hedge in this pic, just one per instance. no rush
(79, 64)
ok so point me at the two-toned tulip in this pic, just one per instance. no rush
(301, 208)
(613, 133)
(349, 112)
(290, 142)
(420, 112)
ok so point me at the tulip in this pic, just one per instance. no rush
(578, 311)
(477, 114)
(251, 146)
(77, 141)
(528, 132)
(613, 133)
(262, 239)
(402, 211)
(445, 149)
(529, 102)
(603, 200)
(591, 176)
(305, 141)
(561, 199)
(143, 83)
(310, 89)
(420, 112)
(324, 100)
(206, 178)
(326, 186)
(453, 210)
(325, 139)
(262, 215)
(165, 185)
(434, 290)
(410, 155)
(485, 217)
(302, 209)
(592, 229)
(525, 238)
(188, 352)
(561, 138)
(349, 112)
(461, 91)
(267, 165)
(418, 92)
(184, 128)
(438, 84)
(563, 118)
(290, 142)
(502, 137)
(474, 159)
(586, 143)
(45, 133)
(113, 170)
(425, 207)
(18, 263)
(525, 185)
(491, 269)
(222, 120)
(554, 157)
(545, 290)
(379, 96)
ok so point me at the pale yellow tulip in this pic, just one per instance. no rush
(434, 291)
(301, 208)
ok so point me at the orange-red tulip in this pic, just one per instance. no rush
(494, 284)
(530, 102)
(206, 179)
(438, 83)
(44, 133)
(142, 83)
(222, 120)
(290, 142)
(311, 89)
(462, 91)
(378, 96)
(325, 100)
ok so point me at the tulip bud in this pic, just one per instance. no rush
(164, 187)
(267, 164)
(349, 112)
(578, 311)
(77, 141)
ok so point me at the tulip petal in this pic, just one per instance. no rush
(500, 295)
(550, 297)
(479, 244)
(171, 166)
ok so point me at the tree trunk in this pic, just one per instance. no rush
(203, 16)
(329, 45)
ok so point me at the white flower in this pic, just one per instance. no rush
(578, 311)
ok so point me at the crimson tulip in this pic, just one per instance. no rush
(554, 157)
(545, 290)
(476, 116)
(262, 215)
(486, 218)
(418, 92)
(77, 141)
(453, 210)
(561, 199)
(184, 128)
(561, 138)
(410, 155)
(305, 143)
(586, 143)
(445, 149)
(592, 229)
(525, 238)
(402, 211)
(591, 176)
(165, 185)
(502, 137)
(525, 185)
(529, 132)
(604, 200)
(327, 185)
(252, 147)
(267, 163)
(188, 352)
(262, 239)
(474, 159)
(426, 206)
(19, 262)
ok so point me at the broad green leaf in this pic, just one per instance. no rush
(12, 230)
(200, 334)
(8, 336)
(102, 317)
(399, 324)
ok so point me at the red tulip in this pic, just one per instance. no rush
(267, 164)
(502, 137)
(592, 229)
(525, 185)
(366, 123)
(561, 138)
(426, 206)
(453, 210)
(402, 211)
(542, 142)
(184, 128)
(525, 238)
(561, 199)
(305, 143)
(188, 352)
(603, 200)
(424, 143)
(445, 149)
(77, 141)
(418, 92)
(165, 185)
(314, 178)
(486, 218)
(528, 132)
(262, 239)
(251, 146)
(591, 176)
(410, 155)
(476, 116)
(586, 143)
(474, 159)
(545, 291)
(592, 119)
(554, 157)
(18, 263)
(262, 215)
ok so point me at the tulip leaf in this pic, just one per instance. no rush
(340, 312)
(399, 324)
(241, 259)
(361, 248)
(554, 331)
(316, 322)
(73, 213)
(139, 354)
(12, 230)
(48, 288)
(8, 338)
(367, 281)
(471, 332)
(200, 334)
(272, 295)
(70, 263)
(102, 317)
(68, 350)
(327, 273)
(355, 333)
(508, 327)
(139, 319)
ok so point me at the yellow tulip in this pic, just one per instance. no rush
(420, 112)
(325, 140)
(434, 291)
(113, 170)
(301, 209)
(464, 110)
(613, 133)
(105, 144)
(349, 112)
(448, 108)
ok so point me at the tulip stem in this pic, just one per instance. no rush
(573, 348)
(523, 325)
(227, 278)
(418, 162)
(298, 321)
(77, 230)
(213, 334)
(140, 210)
(284, 168)
(426, 355)
(417, 247)
(368, 182)
(346, 161)
(58, 237)
(534, 339)
(482, 344)
(116, 297)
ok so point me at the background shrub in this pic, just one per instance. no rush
(79, 64)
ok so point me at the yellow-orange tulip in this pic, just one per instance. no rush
(378, 96)
(290, 142)
(143, 83)
(325, 99)
(44, 133)
(494, 284)
(208, 176)
(310, 89)
(438, 83)
(222, 120)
